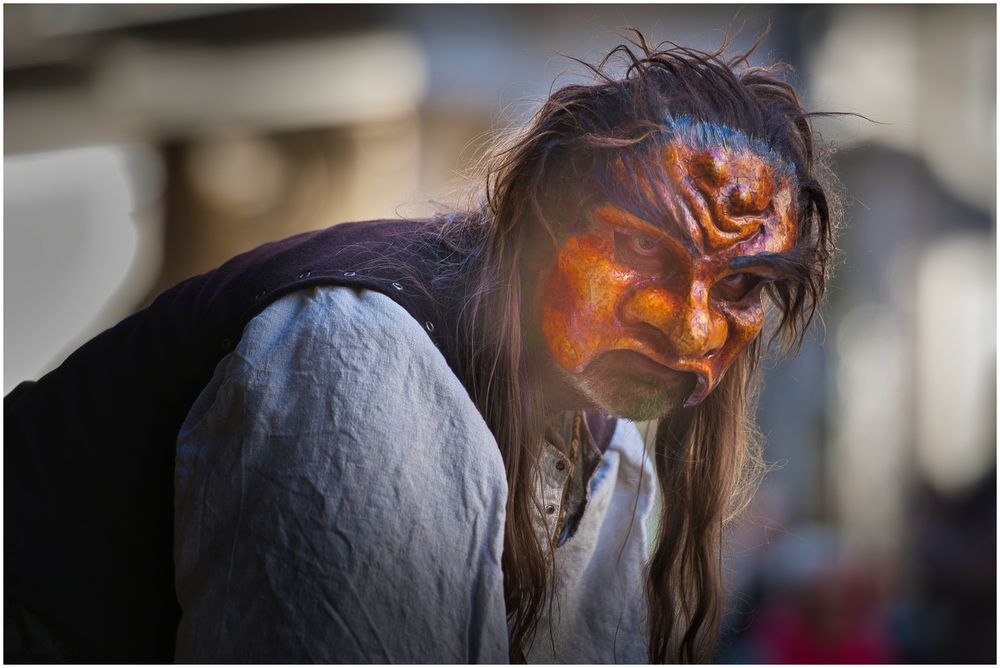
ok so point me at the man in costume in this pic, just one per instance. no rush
(411, 441)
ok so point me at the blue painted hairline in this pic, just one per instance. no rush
(703, 134)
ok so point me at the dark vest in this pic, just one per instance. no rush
(89, 448)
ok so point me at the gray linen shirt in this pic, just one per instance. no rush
(340, 499)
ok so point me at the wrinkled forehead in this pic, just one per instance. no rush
(707, 185)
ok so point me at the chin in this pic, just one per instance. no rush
(632, 398)
(628, 385)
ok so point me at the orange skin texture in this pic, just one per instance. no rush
(607, 292)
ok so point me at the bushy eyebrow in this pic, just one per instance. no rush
(674, 233)
(784, 265)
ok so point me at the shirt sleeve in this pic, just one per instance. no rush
(339, 498)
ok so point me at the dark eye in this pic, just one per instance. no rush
(641, 252)
(735, 287)
(643, 244)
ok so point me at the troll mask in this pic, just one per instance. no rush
(657, 287)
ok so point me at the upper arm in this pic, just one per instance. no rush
(338, 496)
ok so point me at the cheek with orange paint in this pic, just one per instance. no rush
(579, 300)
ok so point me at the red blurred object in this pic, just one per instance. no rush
(830, 618)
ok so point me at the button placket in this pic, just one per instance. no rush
(564, 500)
(553, 483)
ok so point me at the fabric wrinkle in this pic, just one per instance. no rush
(349, 493)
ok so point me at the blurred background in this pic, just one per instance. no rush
(147, 143)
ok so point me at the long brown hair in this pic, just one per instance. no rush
(707, 458)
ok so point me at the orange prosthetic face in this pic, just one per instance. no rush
(642, 315)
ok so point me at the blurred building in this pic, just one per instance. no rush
(147, 143)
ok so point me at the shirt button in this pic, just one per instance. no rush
(560, 465)
(550, 509)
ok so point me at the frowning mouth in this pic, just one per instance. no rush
(679, 383)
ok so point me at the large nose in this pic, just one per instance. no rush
(690, 326)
